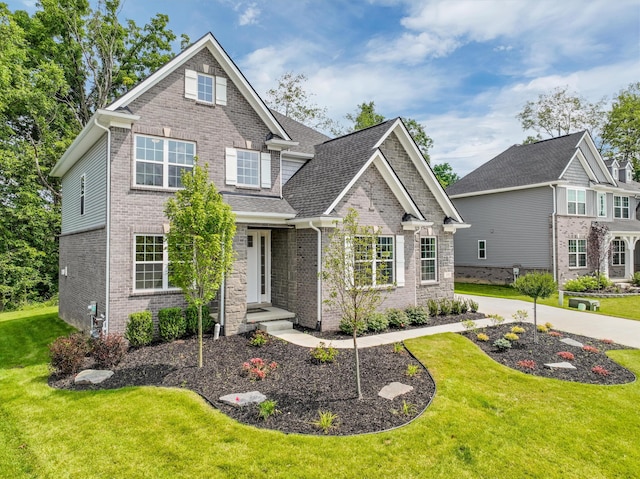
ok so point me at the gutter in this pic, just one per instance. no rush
(319, 274)
(553, 234)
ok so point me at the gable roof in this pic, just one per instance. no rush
(306, 137)
(542, 162)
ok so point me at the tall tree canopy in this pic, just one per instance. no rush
(364, 116)
(621, 132)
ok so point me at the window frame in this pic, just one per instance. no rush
(601, 206)
(377, 258)
(166, 162)
(621, 209)
(213, 88)
(577, 201)
(258, 166)
(482, 249)
(578, 253)
(166, 285)
(618, 251)
(429, 260)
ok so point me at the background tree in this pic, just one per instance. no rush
(536, 285)
(621, 132)
(445, 174)
(560, 112)
(348, 272)
(200, 241)
(364, 116)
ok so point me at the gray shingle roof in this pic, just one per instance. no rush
(521, 165)
(307, 137)
(319, 182)
(258, 204)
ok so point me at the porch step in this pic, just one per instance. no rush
(272, 326)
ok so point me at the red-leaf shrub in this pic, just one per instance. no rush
(257, 368)
(590, 349)
(566, 355)
(67, 353)
(607, 341)
(599, 370)
(109, 350)
(555, 334)
(527, 364)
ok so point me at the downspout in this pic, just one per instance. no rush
(108, 225)
(319, 274)
(553, 234)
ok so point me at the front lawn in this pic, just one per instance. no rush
(485, 421)
(621, 307)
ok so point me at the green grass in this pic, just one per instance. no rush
(485, 421)
(620, 307)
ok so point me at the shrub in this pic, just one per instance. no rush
(267, 408)
(590, 349)
(520, 315)
(542, 328)
(323, 353)
(607, 341)
(482, 337)
(502, 344)
(555, 334)
(68, 353)
(258, 368)
(191, 319)
(326, 421)
(600, 370)
(548, 325)
(377, 322)
(108, 350)
(407, 409)
(397, 318)
(139, 330)
(455, 306)
(473, 305)
(495, 319)
(636, 278)
(518, 330)
(588, 283)
(464, 306)
(527, 364)
(511, 337)
(412, 370)
(259, 338)
(566, 355)
(398, 348)
(432, 306)
(171, 324)
(346, 326)
(445, 307)
(469, 324)
(417, 315)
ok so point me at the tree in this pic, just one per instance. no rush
(419, 135)
(536, 285)
(598, 248)
(621, 132)
(560, 112)
(365, 116)
(445, 174)
(200, 241)
(348, 272)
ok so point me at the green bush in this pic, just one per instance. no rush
(191, 318)
(68, 353)
(636, 278)
(417, 315)
(588, 283)
(432, 306)
(346, 326)
(377, 322)
(445, 307)
(502, 344)
(397, 318)
(324, 354)
(171, 324)
(259, 338)
(473, 305)
(456, 307)
(139, 330)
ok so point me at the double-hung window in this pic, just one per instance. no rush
(151, 263)
(621, 207)
(602, 205)
(160, 162)
(205, 88)
(618, 253)
(373, 262)
(482, 249)
(428, 259)
(576, 202)
(577, 253)
(248, 167)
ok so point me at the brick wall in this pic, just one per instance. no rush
(306, 277)
(571, 227)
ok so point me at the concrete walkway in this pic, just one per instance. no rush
(622, 331)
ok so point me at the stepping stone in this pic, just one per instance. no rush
(562, 365)
(92, 376)
(393, 390)
(572, 342)
(244, 399)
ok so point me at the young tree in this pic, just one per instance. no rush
(356, 290)
(200, 241)
(445, 174)
(598, 249)
(621, 132)
(536, 285)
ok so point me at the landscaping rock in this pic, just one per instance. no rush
(244, 399)
(572, 342)
(562, 365)
(92, 376)
(393, 390)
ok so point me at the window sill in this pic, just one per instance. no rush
(429, 283)
(160, 189)
(577, 267)
(154, 292)
(248, 187)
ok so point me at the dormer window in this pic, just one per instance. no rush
(629, 175)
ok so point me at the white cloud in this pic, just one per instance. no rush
(250, 15)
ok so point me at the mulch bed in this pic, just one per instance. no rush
(300, 386)
(546, 351)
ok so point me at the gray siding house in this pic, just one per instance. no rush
(286, 183)
(533, 207)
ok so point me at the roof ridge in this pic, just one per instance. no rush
(360, 131)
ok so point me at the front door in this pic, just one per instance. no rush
(259, 266)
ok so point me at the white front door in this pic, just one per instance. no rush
(259, 266)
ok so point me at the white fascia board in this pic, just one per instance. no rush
(512, 188)
(414, 225)
(423, 168)
(318, 222)
(89, 135)
(276, 144)
(228, 66)
(452, 228)
(594, 150)
(262, 218)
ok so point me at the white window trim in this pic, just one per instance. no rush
(601, 195)
(219, 88)
(434, 259)
(165, 162)
(622, 208)
(577, 213)
(577, 254)
(213, 89)
(264, 169)
(83, 194)
(165, 267)
(390, 281)
(621, 252)
(484, 248)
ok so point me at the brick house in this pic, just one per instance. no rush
(286, 183)
(533, 207)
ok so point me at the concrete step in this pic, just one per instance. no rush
(279, 325)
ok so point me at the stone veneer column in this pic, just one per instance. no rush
(236, 287)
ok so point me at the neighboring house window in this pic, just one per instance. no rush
(615, 173)
(629, 176)
(151, 263)
(160, 162)
(82, 189)
(380, 264)
(482, 249)
(248, 167)
(577, 253)
(428, 259)
(617, 247)
(576, 202)
(205, 88)
(602, 205)
(621, 207)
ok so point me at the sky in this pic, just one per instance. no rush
(462, 68)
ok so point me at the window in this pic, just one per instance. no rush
(629, 175)
(160, 162)
(373, 263)
(576, 202)
(602, 205)
(428, 259)
(482, 249)
(151, 263)
(618, 251)
(205, 88)
(82, 184)
(621, 207)
(248, 167)
(577, 253)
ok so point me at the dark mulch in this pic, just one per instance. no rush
(546, 351)
(300, 387)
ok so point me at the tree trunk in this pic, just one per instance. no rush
(357, 359)
(199, 335)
